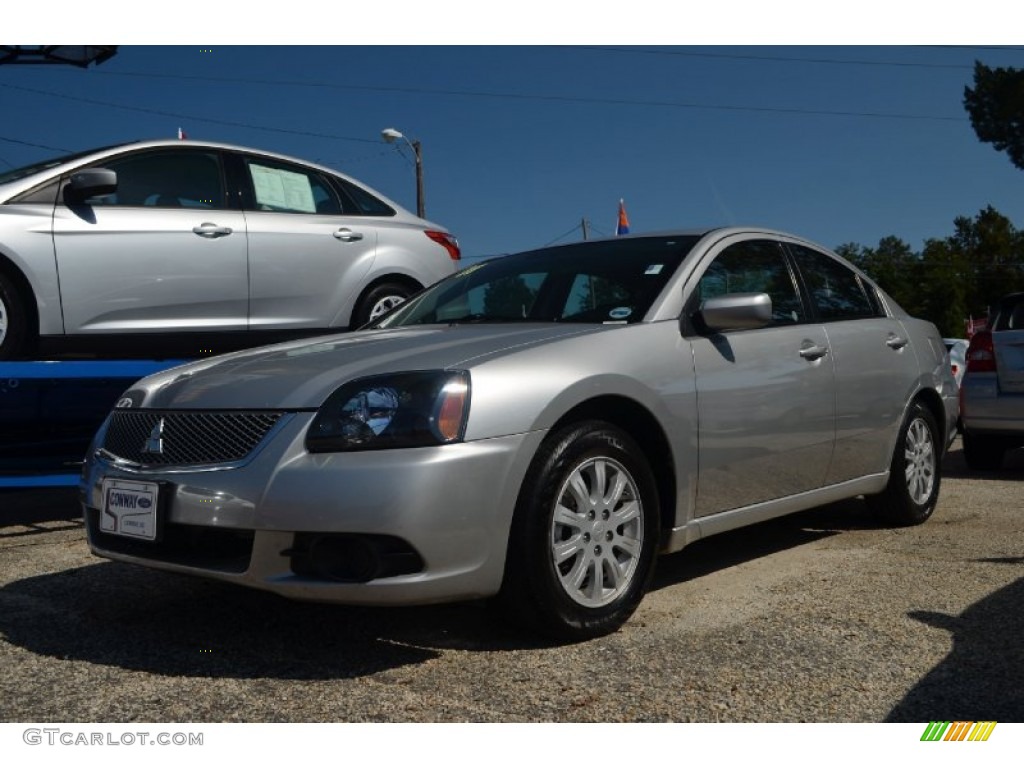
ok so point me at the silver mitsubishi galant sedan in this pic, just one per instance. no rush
(534, 429)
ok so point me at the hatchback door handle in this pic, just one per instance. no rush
(347, 235)
(813, 352)
(208, 229)
(897, 342)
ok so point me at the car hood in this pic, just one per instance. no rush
(303, 374)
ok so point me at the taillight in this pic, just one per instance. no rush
(447, 241)
(981, 355)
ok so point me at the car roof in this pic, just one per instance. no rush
(89, 157)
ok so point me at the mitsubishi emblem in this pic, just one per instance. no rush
(155, 443)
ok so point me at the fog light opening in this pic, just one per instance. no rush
(344, 558)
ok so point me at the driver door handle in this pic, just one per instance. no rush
(813, 352)
(346, 235)
(211, 230)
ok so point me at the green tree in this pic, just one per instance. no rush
(992, 250)
(996, 108)
(894, 266)
(508, 297)
(953, 277)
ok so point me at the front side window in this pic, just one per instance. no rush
(755, 267)
(836, 290)
(165, 179)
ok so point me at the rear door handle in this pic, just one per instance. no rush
(211, 230)
(813, 352)
(347, 235)
(896, 342)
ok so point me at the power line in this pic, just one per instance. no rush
(766, 57)
(180, 116)
(31, 143)
(470, 94)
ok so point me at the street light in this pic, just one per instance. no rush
(390, 135)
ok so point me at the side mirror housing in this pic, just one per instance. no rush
(736, 312)
(91, 182)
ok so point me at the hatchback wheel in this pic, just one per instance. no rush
(380, 300)
(914, 476)
(584, 534)
(983, 453)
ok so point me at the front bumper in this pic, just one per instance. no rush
(450, 505)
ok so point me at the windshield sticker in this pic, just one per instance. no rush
(654, 269)
(620, 313)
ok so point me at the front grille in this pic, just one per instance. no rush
(186, 438)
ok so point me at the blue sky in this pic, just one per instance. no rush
(521, 143)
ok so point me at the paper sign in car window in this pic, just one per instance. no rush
(282, 190)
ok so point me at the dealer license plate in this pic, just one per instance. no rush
(130, 508)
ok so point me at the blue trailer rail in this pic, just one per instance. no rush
(49, 411)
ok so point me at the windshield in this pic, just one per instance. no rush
(607, 281)
(28, 170)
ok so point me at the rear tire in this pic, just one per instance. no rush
(583, 541)
(14, 331)
(914, 474)
(379, 300)
(983, 454)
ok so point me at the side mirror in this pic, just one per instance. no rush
(736, 312)
(91, 182)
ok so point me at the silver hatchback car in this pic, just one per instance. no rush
(209, 246)
(534, 429)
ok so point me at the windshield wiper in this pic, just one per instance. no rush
(479, 317)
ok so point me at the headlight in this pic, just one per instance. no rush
(397, 410)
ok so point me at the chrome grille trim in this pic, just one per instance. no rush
(189, 438)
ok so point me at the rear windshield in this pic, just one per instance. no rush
(1010, 316)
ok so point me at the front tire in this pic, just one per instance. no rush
(583, 540)
(14, 332)
(914, 474)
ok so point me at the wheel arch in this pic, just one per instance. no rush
(390, 277)
(931, 400)
(642, 426)
(13, 272)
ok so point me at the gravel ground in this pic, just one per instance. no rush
(820, 617)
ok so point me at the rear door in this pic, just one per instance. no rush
(308, 252)
(875, 365)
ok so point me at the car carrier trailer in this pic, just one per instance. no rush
(50, 410)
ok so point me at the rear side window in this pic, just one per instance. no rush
(285, 188)
(837, 292)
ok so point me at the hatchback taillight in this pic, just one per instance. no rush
(447, 241)
(981, 355)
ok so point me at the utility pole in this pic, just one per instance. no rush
(417, 149)
(583, 226)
